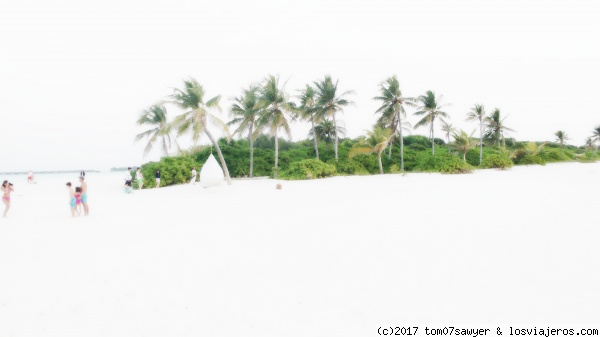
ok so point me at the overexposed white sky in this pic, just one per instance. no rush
(74, 75)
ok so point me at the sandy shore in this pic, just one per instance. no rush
(331, 257)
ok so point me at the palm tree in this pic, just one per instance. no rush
(392, 110)
(448, 130)
(496, 130)
(596, 138)
(274, 104)
(561, 137)
(376, 141)
(191, 98)
(155, 117)
(477, 113)
(326, 131)
(246, 110)
(330, 102)
(464, 142)
(308, 110)
(430, 107)
(589, 143)
(530, 149)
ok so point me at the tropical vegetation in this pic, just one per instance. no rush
(263, 111)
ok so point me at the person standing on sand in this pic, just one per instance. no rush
(7, 188)
(72, 199)
(157, 177)
(194, 173)
(30, 177)
(128, 179)
(139, 177)
(78, 199)
(84, 202)
(82, 173)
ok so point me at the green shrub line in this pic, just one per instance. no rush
(297, 159)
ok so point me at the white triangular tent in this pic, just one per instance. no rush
(211, 173)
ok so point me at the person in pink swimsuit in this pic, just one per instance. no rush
(78, 199)
(7, 188)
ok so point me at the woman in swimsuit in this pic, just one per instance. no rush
(7, 188)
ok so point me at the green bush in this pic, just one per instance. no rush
(441, 162)
(496, 161)
(173, 170)
(418, 147)
(348, 166)
(410, 159)
(417, 139)
(555, 154)
(529, 159)
(368, 161)
(308, 169)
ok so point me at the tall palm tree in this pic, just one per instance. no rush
(275, 109)
(596, 138)
(496, 130)
(477, 113)
(326, 131)
(331, 102)
(430, 107)
(376, 141)
(464, 142)
(589, 143)
(195, 119)
(448, 130)
(246, 110)
(561, 137)
(392, 110)
(309, 111)
(155, 117)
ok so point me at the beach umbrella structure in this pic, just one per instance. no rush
(211, 173)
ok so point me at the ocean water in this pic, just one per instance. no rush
(51, 178)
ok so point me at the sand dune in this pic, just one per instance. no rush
(331, 257)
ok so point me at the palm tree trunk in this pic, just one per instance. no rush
(250, 137)
(448, 138)
(561, 151)
(216, 145)
(390, 151)
(465, 156)
(315, 137)
(432, 142)
(336, 137)
(276, 154)
(401, 143)
(380, 165)
(480, 142)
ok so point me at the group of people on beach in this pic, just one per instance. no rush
(78, 197)
(139, 177)
(128, 187)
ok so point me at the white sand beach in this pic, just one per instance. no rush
(332, 257)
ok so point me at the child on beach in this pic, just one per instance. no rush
(78, 199)
(7, 188)
(128, 188)
(72, 199)
(140, 178)
(157, 177)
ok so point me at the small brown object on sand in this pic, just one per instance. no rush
(278, 186)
